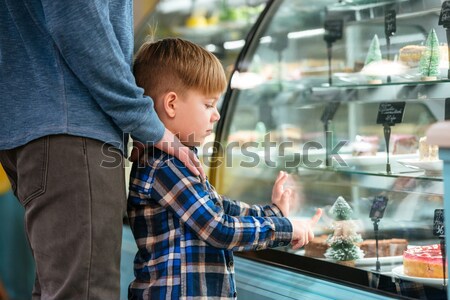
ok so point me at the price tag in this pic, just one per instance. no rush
(333, 30)
(444, 17)
(447, 109)
(330, 111)
(438, 223)
(390, 22)
(391, 113)
(378, 207)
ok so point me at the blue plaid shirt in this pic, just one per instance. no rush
(186, 232)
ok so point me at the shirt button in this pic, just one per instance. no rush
(230, 264)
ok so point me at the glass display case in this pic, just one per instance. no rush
(339, 94)
(220, 26)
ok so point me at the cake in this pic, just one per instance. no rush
(365, 145)
(443, 50)
(404, 143)
(317, 247)
(423, 261)
(410, 55)
(427, 152)
(388, 247)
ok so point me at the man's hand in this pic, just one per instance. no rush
(280, 196)
(172, 145)
(303, 232)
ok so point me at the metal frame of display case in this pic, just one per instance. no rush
(315, 272)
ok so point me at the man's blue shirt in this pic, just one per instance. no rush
(65, 68)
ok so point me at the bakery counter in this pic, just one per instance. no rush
(335, 102)
(389, 282)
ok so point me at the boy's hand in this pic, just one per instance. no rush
(172, 145)
(303, 232)
(280, 195)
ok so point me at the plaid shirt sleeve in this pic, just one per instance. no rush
(203, 211)
(237, 208)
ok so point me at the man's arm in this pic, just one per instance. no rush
(84, 35)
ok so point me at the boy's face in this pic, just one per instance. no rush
(196, 114)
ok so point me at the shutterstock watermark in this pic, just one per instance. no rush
(252, 154)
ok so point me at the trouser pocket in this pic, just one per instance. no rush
(26, 167)
(32, 164)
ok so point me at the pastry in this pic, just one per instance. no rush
(423, 261)
(410, 55)
(427, 152)
(404, 143)
(389, 247)
(365, 145)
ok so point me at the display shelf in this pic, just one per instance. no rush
(358, 11)
(382, 92)
(349, 171)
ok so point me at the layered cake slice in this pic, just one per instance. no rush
(423, 261)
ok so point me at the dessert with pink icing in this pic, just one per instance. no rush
(423, 261)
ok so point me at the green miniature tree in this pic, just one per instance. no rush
(342, 241)
(429, 62)
(373, 55)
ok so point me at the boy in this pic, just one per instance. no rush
(184, 230)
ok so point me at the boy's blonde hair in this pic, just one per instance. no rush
(174, 64)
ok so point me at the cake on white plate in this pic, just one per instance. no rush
(423, 261)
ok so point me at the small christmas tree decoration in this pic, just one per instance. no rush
(374, 53)
(429, 62)
(343, 248)
(373, 56)
(341, 210)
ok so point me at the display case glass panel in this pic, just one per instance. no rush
(220, 26)
(339, 94)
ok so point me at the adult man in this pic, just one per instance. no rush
(68, 97)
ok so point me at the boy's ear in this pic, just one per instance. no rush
(170, 104)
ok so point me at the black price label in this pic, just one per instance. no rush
(390, 23)
(378, 207)
(390, 113)
(438, 223)
(330, 111)
(447, 109)
(333, 30)
(444, 17)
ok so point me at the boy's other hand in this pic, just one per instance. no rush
(172, 145)
(280, 195)
(303, 230)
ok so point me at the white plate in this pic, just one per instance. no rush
(431, 166)
(385, 260)
(398, 272)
